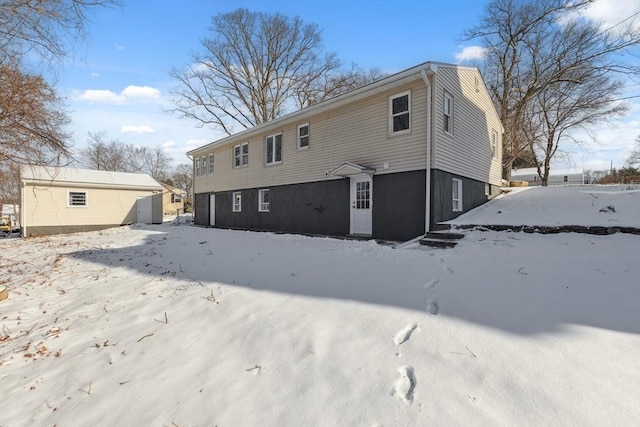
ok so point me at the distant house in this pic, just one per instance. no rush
(67, 200)
(12, 212)
(388, 160)
(172, 199)
(556, 176)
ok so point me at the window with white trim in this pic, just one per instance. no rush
(76, 198)
(487, 189)
(176, 198)
(456, 194)
(241, 155)
(237, 201)
(494, 144)
(303, 136)
(273, 149)
(400, 113)
(203, 165)
(263, 200)
(197, 163)
(210, 161)
(447, 109)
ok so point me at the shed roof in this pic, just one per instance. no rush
(552, 172)
(87, 177)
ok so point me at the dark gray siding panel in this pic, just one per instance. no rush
(473, 195)
(201, 207)
(310, 208)
(399, 205)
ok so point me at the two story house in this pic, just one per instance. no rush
(388, 160)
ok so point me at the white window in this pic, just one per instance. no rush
(400, 109)
(566, 178)
(263, 200)
(448, 113)
(456, 195)
(241, 155)
(76, 198)
(197, 163)
(237, 201)
(203, 165)
(176, 198)
(273, 149)
(210, 157)
(494, 144)
(487, 190)
(303, 136)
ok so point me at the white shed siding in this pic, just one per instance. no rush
(357, 132)
(468, 151)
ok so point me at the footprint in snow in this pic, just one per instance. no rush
(431, 285)
(405, 385)
(405, 333)
(432, 306)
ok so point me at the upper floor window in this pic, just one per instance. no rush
(77, 198)
(303, 136)
(210, 160)
(203, 165)
(448, 113)
(197, 164)
(400, 108)
(241, 155)
(273, 149)
(494, 144)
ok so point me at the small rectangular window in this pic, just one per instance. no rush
(237, 201)
(400, 113)
(197, 163)
(448, 113)
(210, 171)
(263, 200)
(273, 149)
(487, 190)
(494, 144)
(303, 136)
(176, 198)
(456, 195)
(566, 178)
(241, 155)
(77, 198)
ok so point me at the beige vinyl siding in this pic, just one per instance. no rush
(357, 133)
(468, 151)
(47, 206)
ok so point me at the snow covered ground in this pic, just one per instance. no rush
(175, 325)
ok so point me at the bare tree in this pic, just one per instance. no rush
(633, 161)
(32, 120)
(116, 156)
(182, 178)
(254, 67)
(46, 28)
(536, 47)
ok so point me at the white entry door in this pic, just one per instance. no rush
(143, 208)
(361, 204)
(212, 209)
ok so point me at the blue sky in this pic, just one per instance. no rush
(118, 82)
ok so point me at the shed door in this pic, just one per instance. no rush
(212, 209)
(144, 210)
(361, 204)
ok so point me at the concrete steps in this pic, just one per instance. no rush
(441, 239)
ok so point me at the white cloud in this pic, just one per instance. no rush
(104, 96)
(611, 12)
(94, 75)
(101, 96)
(120, 47)
(144, 129)
(141, 92)
(470, 53)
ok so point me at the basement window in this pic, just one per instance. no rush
(456, 195)
(77, 198)
(237, 201)
(263, 200)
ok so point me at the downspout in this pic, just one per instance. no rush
(193, 189)
(427, 211)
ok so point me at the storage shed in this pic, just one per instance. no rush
(66, 200)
